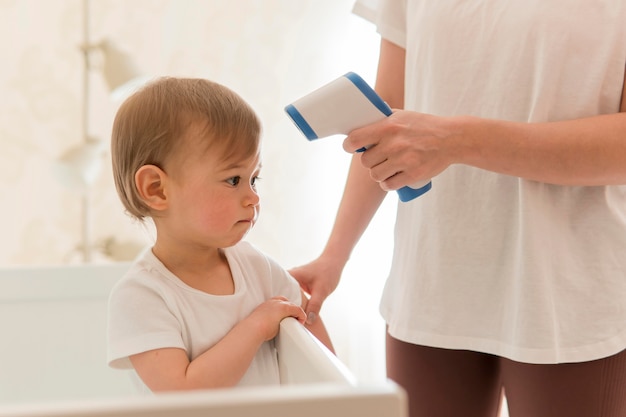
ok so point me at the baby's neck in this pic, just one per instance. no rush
(208, 272)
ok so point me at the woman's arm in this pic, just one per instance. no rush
(589, 151)
(411, 146)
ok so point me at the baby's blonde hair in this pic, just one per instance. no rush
(152, 123)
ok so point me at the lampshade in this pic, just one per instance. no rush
(119, 70)
(79, 167)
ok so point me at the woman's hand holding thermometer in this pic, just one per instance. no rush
(341, 106)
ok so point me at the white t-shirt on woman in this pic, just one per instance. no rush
(526, 270)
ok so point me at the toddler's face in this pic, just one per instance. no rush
(213, 202)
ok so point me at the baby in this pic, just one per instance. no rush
(200, 308)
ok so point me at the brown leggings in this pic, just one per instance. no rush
(453, 383)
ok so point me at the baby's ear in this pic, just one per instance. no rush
(150, 181)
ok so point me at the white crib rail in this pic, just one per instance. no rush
(304, 359)
(327, 400)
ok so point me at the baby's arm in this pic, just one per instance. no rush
(317, 328)
(224, 364)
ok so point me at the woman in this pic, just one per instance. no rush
(509, 275)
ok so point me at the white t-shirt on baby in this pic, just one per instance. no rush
(150, 308)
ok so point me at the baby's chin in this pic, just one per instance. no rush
(241, 234)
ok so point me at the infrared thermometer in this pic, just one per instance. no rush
(341, 106)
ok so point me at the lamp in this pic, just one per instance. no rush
(79, 167)
(119, 69)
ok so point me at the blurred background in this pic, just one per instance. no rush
(59, 204)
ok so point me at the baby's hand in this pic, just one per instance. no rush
(267, 316)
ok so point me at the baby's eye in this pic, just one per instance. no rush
(254, 181)
(234, 181)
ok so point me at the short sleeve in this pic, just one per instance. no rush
(139, 320)
(389, 16)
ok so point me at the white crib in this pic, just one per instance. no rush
(53, 350)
